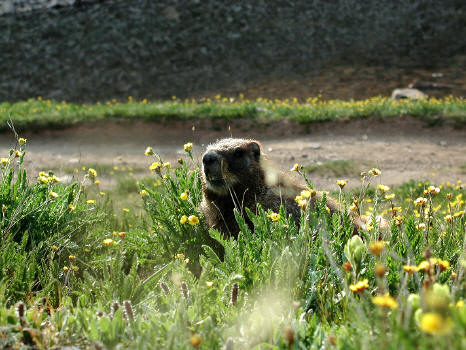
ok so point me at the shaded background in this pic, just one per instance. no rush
(86, 51)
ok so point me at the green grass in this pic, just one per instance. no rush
(35, 114)
(95, 276)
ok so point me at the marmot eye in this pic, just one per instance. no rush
(238, 152)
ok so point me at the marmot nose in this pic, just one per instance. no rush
(210, 158)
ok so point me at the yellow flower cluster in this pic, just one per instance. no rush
(274, 217)
(359, 286)
(46, 178)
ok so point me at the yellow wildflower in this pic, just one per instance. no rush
(18, 154)
(122, 235)
(102, 193)
(295, 167)
(22, 141)
(167, 165)
(274, 216)
(55, 179)
(72, 258)
(433, 190)
(71, 207)
(410, 269)
(305, 194)
(184, 195)
(375, 172)
(90, 201)
(97, 182)
(125, 210)
(341, 183)
(390, 196)
(193, 220)
(65, 268)
(435, 324)
(360, 286)
(421, 226)
(53, 194)
(149, 151)
(209, 284)
(448, 218)
(54, 248)
(92, 172)
(188, 146)
(195, 341)
(144, 193)
(385, 301)
(108, 242)
(5, 161)
(420, 202)
(155, 166)
(74, 268)
(383, 188)
(460, 304)
(183, 219)
(458, 214)
(376, 247)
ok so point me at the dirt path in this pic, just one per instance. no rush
(403, 149)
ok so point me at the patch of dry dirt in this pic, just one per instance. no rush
(403, 148)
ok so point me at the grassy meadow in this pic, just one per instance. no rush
(37, 113)
(135, 267)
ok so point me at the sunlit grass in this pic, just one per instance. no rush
(38, 113)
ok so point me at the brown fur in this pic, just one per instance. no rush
(243, 179)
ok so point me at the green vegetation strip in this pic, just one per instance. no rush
(39, 113)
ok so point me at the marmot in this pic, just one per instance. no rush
(235, 174)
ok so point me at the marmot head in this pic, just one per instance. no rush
(229, 163)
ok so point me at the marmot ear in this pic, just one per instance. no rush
(255, 149)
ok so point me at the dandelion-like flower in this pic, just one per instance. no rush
(22, 141)
(376, 248)
(125, 210)
(155, 166)
(421, 226)
(410, 269)
(420, 202)
(195, 341)
(274, 216)
(360, 286)
(390, 196)
(435, 324)
(72, 258)
(5, 161)
(18, 154)
(149, 151)
(108, 242)
(54, 248)
(385, 301)
(144, 193)
(448, 218)
(90, 201)
(92, 172)
(295, 167)
(306, 194)
(193, 220)
(375, 172)
(341, 183)
(97, 182)
(188, 146)
(53, 194)
(383, 188)
(183, 219)
(71, 207)
(184, 195)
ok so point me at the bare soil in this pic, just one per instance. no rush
(403, 148)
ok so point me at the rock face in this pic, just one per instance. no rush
(413, 94)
